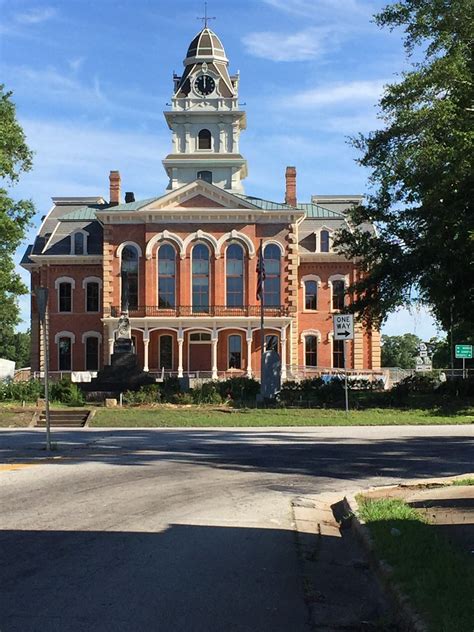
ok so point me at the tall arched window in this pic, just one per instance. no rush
(65, 297)
(166, 276)
(338, 294)
(200, 278)
(204, 139)
(166, 352)
(92, 353)
(65, 353)
(324, 241)
(205, 175)
(235, 276)
(311, 351)
(78, 243)
(130, 266)
(310, 295)
(272, 256)
(338, 354)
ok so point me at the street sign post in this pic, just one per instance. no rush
(41, 294)
(463, 352)
(344, 330)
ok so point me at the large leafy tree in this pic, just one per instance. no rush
(15, 217)
(421, 173)
(400, 351)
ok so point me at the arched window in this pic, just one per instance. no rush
(272, 256)
(311, 351)
(78, 243)
(166, 352)
(338, 354)
(310, 295)
(92, 353)
(92, 296)
(129, 268)
(235, 276)
(166, 276)
(65, 297)
(205, 175)
(204, 139)
(235, 352)
(324, 241)
(64, 353)
(200, 278)
(338, 294)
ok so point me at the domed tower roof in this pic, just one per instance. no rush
(205, 46)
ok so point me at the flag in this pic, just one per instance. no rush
(260, 274)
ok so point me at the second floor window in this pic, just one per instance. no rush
(65, 297)
(272, 256)
(234, 276)
(310, 295)
(166, 276)
(92, 297)
(338, 294)
(130, 266)
(200, 287)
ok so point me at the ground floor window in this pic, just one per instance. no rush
(271, 343)
(338, 354)
(65, 353)
(166, 352)
(311, 351)
(235, 352)
(92, 353)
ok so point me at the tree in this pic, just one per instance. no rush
(15, 217)
(400, 351)
(422, 174)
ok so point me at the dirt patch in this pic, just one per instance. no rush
(15, 417)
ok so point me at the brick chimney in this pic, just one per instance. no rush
(290, 192)
(114, 179)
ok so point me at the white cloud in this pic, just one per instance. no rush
(36, 15)
(313, 9)
(338, 93)
(299, 46)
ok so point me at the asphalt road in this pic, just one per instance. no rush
(182, 530)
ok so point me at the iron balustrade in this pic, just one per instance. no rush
(189, 310)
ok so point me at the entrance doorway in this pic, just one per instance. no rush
(200, 351)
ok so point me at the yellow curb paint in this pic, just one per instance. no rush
(15, 466)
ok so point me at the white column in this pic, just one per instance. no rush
(146, 342)
(187, 138)
(249, 353)
(283, 353)
(214, 354)
(235, 138)
(222, 143)
(180, 352)
(111, 350)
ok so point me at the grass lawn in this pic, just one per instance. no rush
(437, 577)
(199, 416)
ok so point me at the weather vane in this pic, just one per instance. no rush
(206, 18)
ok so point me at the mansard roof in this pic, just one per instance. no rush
(205, 46)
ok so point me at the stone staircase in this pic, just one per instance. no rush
(63, 418)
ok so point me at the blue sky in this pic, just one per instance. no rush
(92, 78)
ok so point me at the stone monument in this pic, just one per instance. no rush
(271, 378)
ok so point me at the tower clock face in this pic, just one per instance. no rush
(204, 85)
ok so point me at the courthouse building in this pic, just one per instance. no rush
(191, 254)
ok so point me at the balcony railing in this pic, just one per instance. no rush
(190, 310)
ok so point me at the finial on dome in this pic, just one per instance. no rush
(206, 18)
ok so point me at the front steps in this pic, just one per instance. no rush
(63, 418)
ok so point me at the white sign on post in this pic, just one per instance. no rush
(343, 326)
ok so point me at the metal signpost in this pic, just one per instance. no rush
(423, 361)
(463, 352)
(344, 330)
(42, 302)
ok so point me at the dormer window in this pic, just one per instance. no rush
(324, 241)
(79, 243)
(205, 175)
(204, 139)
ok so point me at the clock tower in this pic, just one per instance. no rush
(205, 119)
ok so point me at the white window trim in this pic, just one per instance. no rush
(304, 279)
(85, 282)
(337, 277)
(244, 270)
(176, 258)
(201, 236)
(209, 275)
(72, 283)
(241, 351)
(318, 238)
(165, 236)
(65, 334)
(282, 255)
(236, 236)
(85, 336)
(306, 333)
(172, 350)
(278, 335)
(84, 243)
(331, 343)
(118, 252)
(201, 330)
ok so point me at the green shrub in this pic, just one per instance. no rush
(182, 398)
(27, 391)
(415, 384)
(206, 393)
(239, 389)
(66, 392)
(148, 394)
(169, 388)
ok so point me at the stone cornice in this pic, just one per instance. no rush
(66, 259)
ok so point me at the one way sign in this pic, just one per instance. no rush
(343, 326)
